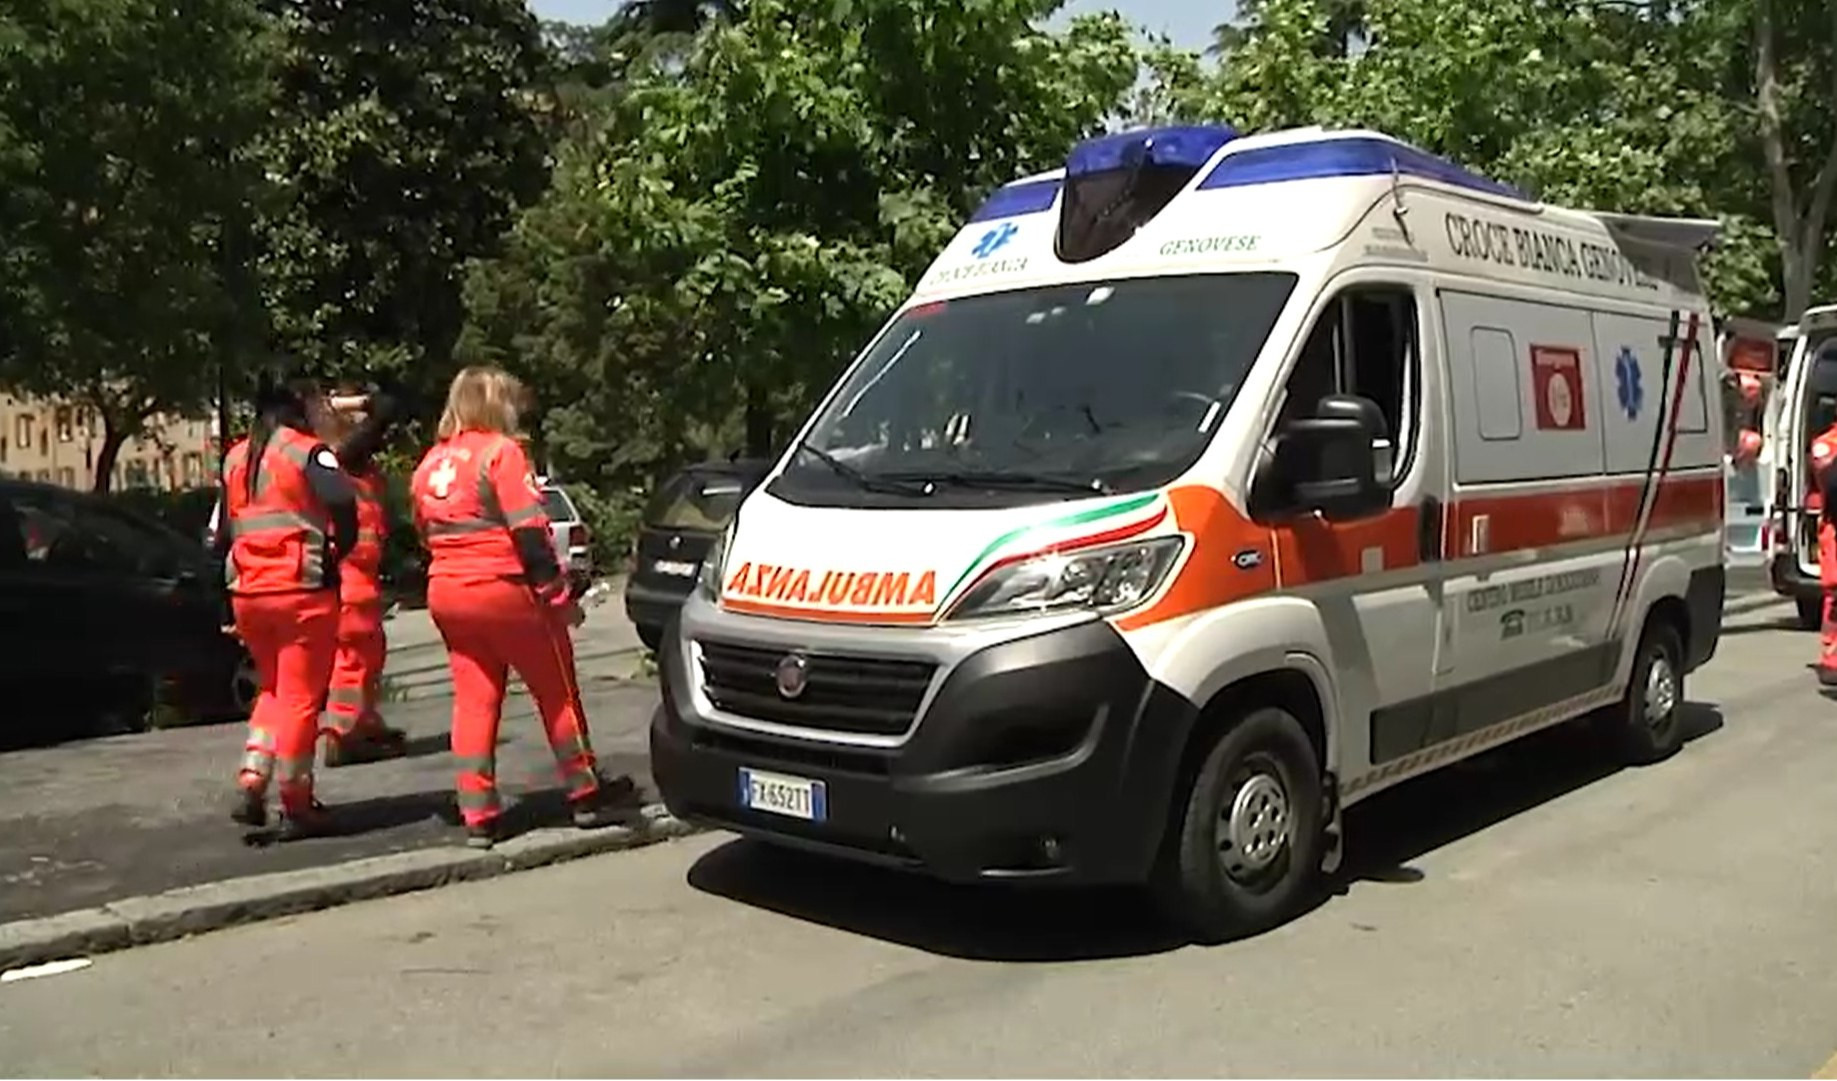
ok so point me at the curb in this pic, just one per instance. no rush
(192, 910)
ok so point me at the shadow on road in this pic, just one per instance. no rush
(1015, 924)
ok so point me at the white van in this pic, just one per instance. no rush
(1807, 406)
(1203, 488)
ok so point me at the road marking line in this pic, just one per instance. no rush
(1827, 1072)
(49, 968)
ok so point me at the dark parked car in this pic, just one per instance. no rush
(685, 517)
(108, 615)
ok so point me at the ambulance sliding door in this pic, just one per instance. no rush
(1533, 560)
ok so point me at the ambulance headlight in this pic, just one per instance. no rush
(709, 580)
(1111, 579)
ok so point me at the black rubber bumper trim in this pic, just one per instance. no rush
(1048, 757)
(1703, 600)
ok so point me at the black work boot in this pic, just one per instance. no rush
(616, 801)
(315, 821)
(484, 834)
(250, 808)
(360, 748)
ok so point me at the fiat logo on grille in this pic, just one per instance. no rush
(793, 675)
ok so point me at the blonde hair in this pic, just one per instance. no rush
(483, 399)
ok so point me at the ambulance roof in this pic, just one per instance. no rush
(1260, 202)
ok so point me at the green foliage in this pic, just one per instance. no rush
(124, 184)
(732, 229)
(1644, 108)
(407, 136)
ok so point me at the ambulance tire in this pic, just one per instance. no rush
(1647, 723)
(1262, 775)
(1811, 612)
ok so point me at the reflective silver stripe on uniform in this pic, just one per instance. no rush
(294, 770)
(369, 536)
(278, 519)
(464, 525)
(258, 762)
(527, 514)
(345, 696)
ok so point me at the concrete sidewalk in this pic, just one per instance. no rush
(128, 839)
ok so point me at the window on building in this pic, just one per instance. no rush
(4, 441)
(66, 424)
(44, 476)
(137, 474)
(67, 476)
(23, 433)
(44, 442)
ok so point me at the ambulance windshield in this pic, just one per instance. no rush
(1038, 394)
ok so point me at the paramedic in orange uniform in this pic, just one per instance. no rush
(1824, 491)
(498, 595)
(358, 426)
(289, 515)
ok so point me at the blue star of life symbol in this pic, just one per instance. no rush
(993, 240)
(1627, 385)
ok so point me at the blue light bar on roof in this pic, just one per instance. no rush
(1033, 197)
(1191, 146)
(1344, 157)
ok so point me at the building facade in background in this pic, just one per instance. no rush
(48, 441)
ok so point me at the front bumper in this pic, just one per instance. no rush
(1789, 580)
(1046, 757)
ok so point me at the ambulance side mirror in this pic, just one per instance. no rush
(1326, 463)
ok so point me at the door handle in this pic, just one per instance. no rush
(1429, 530)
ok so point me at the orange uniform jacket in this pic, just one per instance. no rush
(360, 572)
(280, 537)
(478, 505)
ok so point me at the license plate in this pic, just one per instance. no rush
(792, 797)
(675, 569)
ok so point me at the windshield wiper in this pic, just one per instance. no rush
(865, 481)
(1003, 480)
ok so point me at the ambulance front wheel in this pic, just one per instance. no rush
(1648, 723)
(1244, 849)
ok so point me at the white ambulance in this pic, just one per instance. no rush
(1807, 405)
(1203, 488)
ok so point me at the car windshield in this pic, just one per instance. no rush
(701, 501)
(555, 505)
(1037, 394)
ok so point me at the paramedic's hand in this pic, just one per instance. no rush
(229, 629)
(573, 613)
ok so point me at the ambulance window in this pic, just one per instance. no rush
(1500, 401)
(1693, 411)
(1364, 343)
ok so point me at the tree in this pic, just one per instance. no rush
(124, 184)
(1619, 106)
(738, 225)
(1794, 85)
(408, 136)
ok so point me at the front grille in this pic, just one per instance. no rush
(862, 695)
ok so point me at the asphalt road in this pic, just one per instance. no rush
(1531, 914)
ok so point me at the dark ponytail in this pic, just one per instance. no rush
(277, 406)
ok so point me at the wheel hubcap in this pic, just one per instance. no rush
(1661, 691)
(1255, 827)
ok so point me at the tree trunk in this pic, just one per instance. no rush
(113, 436)
(1798, 218)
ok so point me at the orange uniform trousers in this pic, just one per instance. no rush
(491, 627)
(292, 638)
(357, 670)
(1827, 579)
